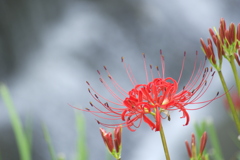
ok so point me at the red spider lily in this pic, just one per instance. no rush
(152, 101)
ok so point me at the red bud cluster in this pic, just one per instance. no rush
(113, 143)
(192, 149)
(226, 42)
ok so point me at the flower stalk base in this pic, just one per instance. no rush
(164, 143)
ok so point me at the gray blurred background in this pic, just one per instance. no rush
(48, 49)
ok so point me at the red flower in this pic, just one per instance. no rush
(152, 101)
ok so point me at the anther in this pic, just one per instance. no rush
(87, 109)
(122, 58)
(169, 118)
(109, 76)
(143, 55)
(206, 69)
(101, 80)
(105, 67)
(87, 82)
(89, 90)
(96, 96)
(184, 54)
(98, 72)
(217, 93)
(196, 53)
(98, 122)
(106, 104)
(150, 66)
(213, 73)
(157, 68)
(160, 51)
(91, 104)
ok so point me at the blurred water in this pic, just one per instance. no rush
(60, 45)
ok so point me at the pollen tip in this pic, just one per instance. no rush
(106, 104)
(157, 68)
(160, 51)
(89, 90)
(105, 67)
(169, 118)
(122, 59)
(87, 82)
(100, 79)
(143, 54)
(213, 73)
(91, 104)
(98, 122)
(98, 72)
(109, 76)
(87, 109)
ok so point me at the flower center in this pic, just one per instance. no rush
(146, 97)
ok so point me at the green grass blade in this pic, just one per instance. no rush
(21, 139)
(49, 143)
(28, 131)
(82, 153)
(61, 157)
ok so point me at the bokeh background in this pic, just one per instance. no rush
(49, 48)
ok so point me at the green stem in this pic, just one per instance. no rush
(164, 143)
(235, 73)
(233, 110)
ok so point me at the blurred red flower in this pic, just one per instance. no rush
(235, 99)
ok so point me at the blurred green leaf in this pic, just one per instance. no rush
(23, 146)
(28, 131)
(82, 153)
(49, 143)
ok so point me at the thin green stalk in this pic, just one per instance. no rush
(164, 143)
(233, 110)
(21, 138)
(82, 152)
(49, 143)
(214, 141)
(235, 73)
